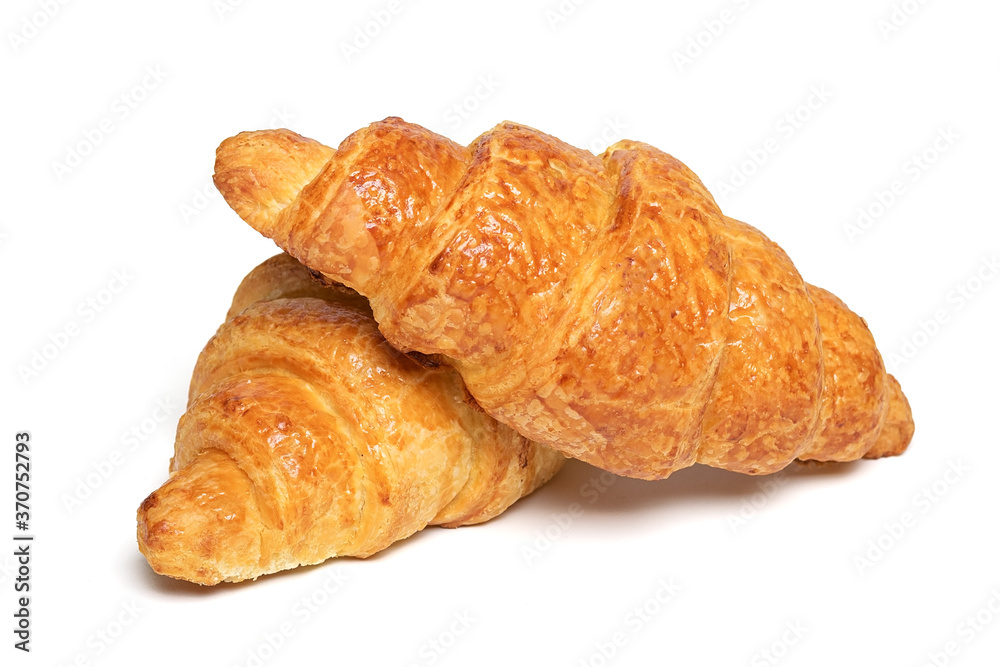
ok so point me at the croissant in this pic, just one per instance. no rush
(307, 436)
(602, 305)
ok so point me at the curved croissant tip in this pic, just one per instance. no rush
(897, 432)
(198, 526)
(260, 172)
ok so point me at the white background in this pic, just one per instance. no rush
(140, 203)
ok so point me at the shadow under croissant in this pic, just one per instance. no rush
(581, 483)
(180, 587)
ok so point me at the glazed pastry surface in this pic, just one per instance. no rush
(602, 305)
(308, 436)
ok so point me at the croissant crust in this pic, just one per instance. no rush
(602, 305)
(308, 436)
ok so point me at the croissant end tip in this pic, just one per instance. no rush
(260, 172)
(198, 527)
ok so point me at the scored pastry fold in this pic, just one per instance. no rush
(602, 305)
(308, 436)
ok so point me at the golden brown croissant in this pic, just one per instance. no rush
(600, 304)
(307, 436)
